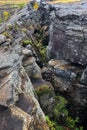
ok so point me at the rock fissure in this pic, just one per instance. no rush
(26, 80)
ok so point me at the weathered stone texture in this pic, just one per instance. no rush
(19, 109)
(68, 33)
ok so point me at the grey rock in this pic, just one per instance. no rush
(79, 100)
(64, 70)
(68, 33)
(15, 118)
(80, 95)
(31, 67)
(46, 95)
(2, 39)
(84, 77)
(17, 93)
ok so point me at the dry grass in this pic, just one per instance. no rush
(63, 1)
(13, 1)
(25, 1)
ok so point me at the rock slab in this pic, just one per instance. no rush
(68, 32)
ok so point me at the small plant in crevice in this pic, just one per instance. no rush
(43, 90)
(53, 125)
(36, 41)
(6, 15)
(1, 20)
(26, 42)
(50, 123)
(39, 48)
(42, 50)
(16, 27)
(6, 34)
(60, 112)
(60, 119)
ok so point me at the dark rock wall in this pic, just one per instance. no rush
(68, 32)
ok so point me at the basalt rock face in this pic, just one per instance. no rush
(69, 80)
(68, 44)
(19, 108)
(68, 32)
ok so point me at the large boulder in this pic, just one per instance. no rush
(68, 32)
(16, 119)
(19, 108)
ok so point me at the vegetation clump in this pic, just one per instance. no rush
(39, 48)
(60, 119)
(4, 16)
(26, 42)
(43, 89)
